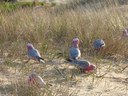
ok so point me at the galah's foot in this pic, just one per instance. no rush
(26, 61)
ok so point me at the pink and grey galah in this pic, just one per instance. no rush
(99, 44)
(83, 65)
(125, 33)
(75, 52)
(34, 54)
(35, 80)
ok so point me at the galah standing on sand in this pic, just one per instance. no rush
(35, 80)
(74, 52)
(125, 33)
(34, 54)
(98, 44)
(83, 65)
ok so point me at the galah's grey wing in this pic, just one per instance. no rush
(38, 56)
(34, 53)
(81, 63)
(99, 43)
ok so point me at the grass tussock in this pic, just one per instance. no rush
(24, 90)
(51, 29)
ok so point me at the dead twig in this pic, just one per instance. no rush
(60, 72)
(124, 68)
(102, 75)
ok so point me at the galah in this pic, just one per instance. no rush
(75, 52)
(35, 80)
(34, 54)
(98, 44)
(83, 65)
(125, 33)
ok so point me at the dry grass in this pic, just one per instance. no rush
(51, 29)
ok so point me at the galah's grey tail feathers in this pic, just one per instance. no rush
(40, 59)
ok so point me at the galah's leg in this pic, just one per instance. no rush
(27, 60)
(35, 60)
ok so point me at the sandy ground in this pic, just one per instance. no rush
(107, 81)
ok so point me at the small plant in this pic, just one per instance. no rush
(8, 6)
